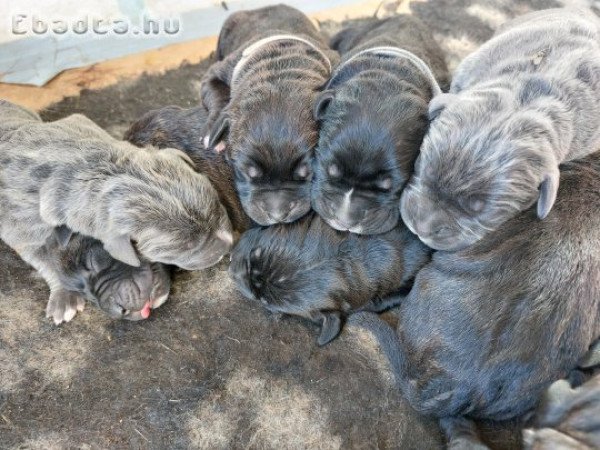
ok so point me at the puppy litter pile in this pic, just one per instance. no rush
(209, 369)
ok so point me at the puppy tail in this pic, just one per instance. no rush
(387, 338)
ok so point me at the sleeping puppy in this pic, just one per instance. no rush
(514, 113)
(309, 270)
(373, 115)
(484, 331)
(260, 97)
(140, 203)
(182, 129)
(85, 271)
(568, 418)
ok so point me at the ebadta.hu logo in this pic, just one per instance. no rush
(25, 24)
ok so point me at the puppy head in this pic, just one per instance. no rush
(481, 163)
(288, 269)
(170, 213)
(364, 159)
(120, 290)
(270, 139)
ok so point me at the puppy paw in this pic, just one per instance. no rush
(63, 306)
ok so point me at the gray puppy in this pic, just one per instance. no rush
(526, 101)
(71, 173)
(260, 97)
(310, 270)
(175, 127)
(486, 330)
(568, 418)
(373, 116)
(85, 271)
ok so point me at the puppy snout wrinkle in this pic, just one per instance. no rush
(279, 210)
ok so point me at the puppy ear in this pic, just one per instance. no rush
(331, 325)
(591, 358)
(63, 235)
(438, 103)
(548, 192)
(322, 103)
(219, 132)
(122, 249)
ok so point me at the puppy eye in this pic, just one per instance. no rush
(333, 170)
(302, 171)
(384, 184)
(474, 203)
(253, 172)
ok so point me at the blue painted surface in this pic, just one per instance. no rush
(35, 59)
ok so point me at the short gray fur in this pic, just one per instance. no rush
(525, 102)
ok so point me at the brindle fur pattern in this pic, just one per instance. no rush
(373, 118)
(310, 270)
(266, 120)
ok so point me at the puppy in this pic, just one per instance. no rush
(309, 270)
(484, 331)
(182, 129)
(72, 174)
(568, 418)
(260, 97)
(85, 271)
(373, 116)
(519, 106)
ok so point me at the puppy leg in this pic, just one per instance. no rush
(379, 305)
(331, 325)
(63, 306)
(461, 434)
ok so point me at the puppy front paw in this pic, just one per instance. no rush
(63, 306)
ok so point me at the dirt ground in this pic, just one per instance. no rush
(208, 369)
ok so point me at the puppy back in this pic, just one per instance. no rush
(243, 27)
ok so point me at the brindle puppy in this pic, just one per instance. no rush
(71, 173)
(86, 271)
(174, 127)
(484, 331)
(260, 97)
(310, 270)
(515, 112)
(568, 418)
(373, 117)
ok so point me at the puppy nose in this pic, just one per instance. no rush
(279, 212)
(278, 216)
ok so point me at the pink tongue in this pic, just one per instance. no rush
(145, 312)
